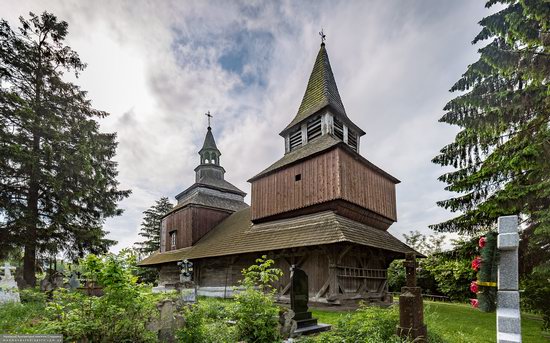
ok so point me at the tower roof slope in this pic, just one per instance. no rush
(321, 91)
(209, 142)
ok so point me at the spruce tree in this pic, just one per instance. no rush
(501, 156)
(57, 174)
(150, 226)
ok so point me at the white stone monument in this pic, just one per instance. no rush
(508, 313)
(8, 287)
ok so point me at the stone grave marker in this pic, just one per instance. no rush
(508, 311)
(73, 282)
(299, 297)
(8, 287)
(411, 307)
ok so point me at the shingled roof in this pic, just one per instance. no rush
(237, 235)
(209, 142)
(321, 91)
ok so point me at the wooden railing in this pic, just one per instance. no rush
(361, 273)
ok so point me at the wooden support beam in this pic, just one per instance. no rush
(298, 264)
(343, 253)
(323, 289)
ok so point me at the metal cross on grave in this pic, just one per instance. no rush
(209, 116)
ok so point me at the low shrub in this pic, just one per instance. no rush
(256, 314)
(120, 315)
(207, 322)
(21, 318)
(32, 295)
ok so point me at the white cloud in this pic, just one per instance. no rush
(155, 67)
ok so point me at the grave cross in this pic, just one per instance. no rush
(7, 271)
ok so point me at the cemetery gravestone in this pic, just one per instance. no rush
(411, 307)
(73, 282)
(508, 311)
(299, 297)
(8, 287)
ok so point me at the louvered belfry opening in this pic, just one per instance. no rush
(338, 129)
(352, 140)
(314, 128)
(295, 140)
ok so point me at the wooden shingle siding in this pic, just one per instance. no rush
(333, 175)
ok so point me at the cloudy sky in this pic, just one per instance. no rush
(158, 66)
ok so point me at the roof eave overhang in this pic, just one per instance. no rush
(198, 184)
(315, 111)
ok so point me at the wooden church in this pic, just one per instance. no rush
(322, 207)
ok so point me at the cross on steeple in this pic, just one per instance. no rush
(323, 36)
(209, 116)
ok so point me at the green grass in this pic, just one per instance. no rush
(458, 323)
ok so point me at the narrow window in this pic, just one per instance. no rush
(295, 140)
(352, 140)
(338, 129)
(173, 239)
(314, 128)
(298, 177)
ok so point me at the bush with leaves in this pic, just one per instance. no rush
(536, 297)
(255, 311)
(453, 277)
(120, 315)
(207, 322)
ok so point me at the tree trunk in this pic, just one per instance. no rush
(29, 259)
(29, 262)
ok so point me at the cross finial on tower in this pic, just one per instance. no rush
(209, 116)
(323, 37)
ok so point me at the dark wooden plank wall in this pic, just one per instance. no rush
(226, 271)
(280, 192)
(181, 221)
(365, 187)
(332, 175)
(204, 220)
(191, 223)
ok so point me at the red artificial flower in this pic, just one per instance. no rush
(474, 303)
(473, 287)
(476, 263)
(482, 241)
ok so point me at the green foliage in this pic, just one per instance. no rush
(21, 318)
(207, 322)
(32, 296)
(453, 277)
(150, 226)
(255, 311)
(120, 315)
(367, 324)
(487, 295)
(396, 276)
(536, 296)
(501, 155)
(58, 177)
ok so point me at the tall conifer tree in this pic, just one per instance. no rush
(57, 177)
(501, 155)
(150, 226)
